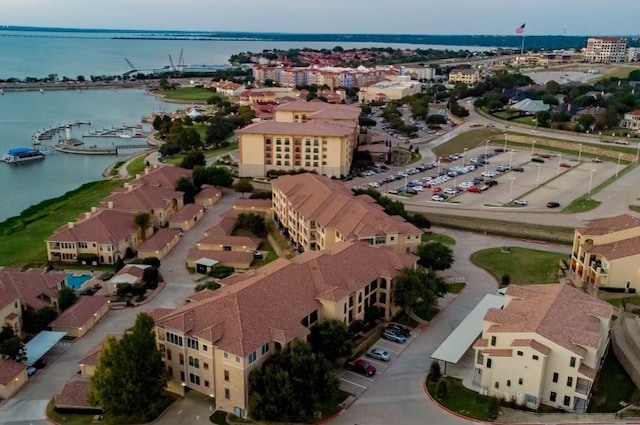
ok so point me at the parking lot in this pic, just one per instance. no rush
(356, 383)
(556, 178)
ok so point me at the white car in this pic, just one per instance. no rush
(488, 174)
(466, 185)
(437, 198)
(450, 191)
(522, 202)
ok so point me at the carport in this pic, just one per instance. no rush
(43, 342)
(458, 342)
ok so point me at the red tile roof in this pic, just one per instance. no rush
(7, 296)
(560, 313)
(104, 227)
(224, 240)
(163, 176)
(619, 249)
(74, 394)
(610, 225)
(32, 286)
(93, 355)
(142, 198)
(221, 256)
(209, 192)
(79, 313)
(9, 370)
(634, 113)
(531, 343)
(159, 239)
(269, 303)
(498, 352)
(224, 226)
(187, 213)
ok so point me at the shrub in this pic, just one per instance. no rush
(434, 372)
(506, 279)
(493, 409)
(124, 289)
(138, 290)
(356, 326)
(151, 261)
(220, 272)
(207, 285)
(442, 391)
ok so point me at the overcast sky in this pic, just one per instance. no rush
(542, 17)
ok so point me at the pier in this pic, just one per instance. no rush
(95, 150)
(124, 132)
(48, 134)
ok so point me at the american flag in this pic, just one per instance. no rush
(520, 29)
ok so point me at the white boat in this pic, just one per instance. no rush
(125, 136)
(17, 155)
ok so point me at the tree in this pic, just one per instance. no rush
(216, 176)
(586, 121)
(186, 186)
(13, 348)
(142, 220)
(435, 255)
(193, 159)
(6, 333)
(119, 264)
(332, 338)
(417, 287)
(66, 298)
(553, 87)
(493, 409)
(420, 221)
(35, 321)
(442, 390)
(252, 222)
(244, 186)
(550, 99)
(291, 384)
(220, 128)
(150, 277)
(434, 371)
(506, 280)
(130, 377)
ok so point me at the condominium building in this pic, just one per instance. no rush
(315, 213)
(546, 346)
(11, 311)
(606, 254)
(606, 50)
(393, 89)
(468, 76)
(631, 120)
(312, 135)
(35, 289)
(333, 77)
(212, 344)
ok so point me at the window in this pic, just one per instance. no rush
(567, 401)
(497, 385)
(205, 347)
(520, 353)
(265, 349)
(182, 376)
(520, 381)
(552, 396)
(226, 375)
(206, 384)
(181, 359)
(237, 359)
(205, 366)
(535, 357)
(174, 339)
(508, 382)
(555, 377)
(168, 354)
(252, 357)
(194, 379)
(170, 370)
(227, 393)
(569, 381)
(192, 343)
(572, 362)
(226, 355)
(493, 341)
(489, 363)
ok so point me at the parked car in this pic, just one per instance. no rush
(399, 329)
(438, 198)
(522, 202)
(257, 255)
(436, 189)
(378, 354)
(394, 337)
(596, 160)
(492, 183)
(518, 169)
(475, 189)
(362, 367)
(31, 371)
(565, 165)
(553, 204)
(537, 159)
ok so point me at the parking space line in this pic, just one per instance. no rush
(382, 347)
(353, 383)
(358, 375)
(379, 363)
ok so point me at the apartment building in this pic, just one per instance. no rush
(631, 120)
(467, 76)
(11, 311)
(546, 346)
(35, 288)
(333, 77)
(159, 202)
(393, 89)
(606, 253)
(315, 213)
(605, 50)
(312, 135)
(212, 343)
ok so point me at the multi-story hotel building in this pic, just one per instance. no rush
(606, 50)
(212, 344)
(463, 75)
(333, 77)
(312, 135)
(545, 346)
(316, 213)
(606, 254)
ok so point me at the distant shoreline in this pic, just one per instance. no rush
(73, 85)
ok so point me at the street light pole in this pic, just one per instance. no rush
(533, 143)
(439, 165)
(511, 189)
(579, 153)
(486, 152)
(590, 181)
(464, 158)
(510, 158)
(538, 178)
(559, 161)
(618, 167)
(505, 142)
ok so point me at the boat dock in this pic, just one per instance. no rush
(124, 132)
(48, 134)
(95, 150)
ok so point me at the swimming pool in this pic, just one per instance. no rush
(76, 281)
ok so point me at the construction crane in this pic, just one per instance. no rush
(181, 61)
(173, 67)
(133, 68)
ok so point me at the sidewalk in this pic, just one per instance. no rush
(514, 416)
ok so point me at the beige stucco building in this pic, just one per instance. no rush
(467, 76)
(13, 376)
(606, 50)
(11, 311)
(312, 135)
(82, 316)
(212, 343)
(606, 254)
(394, 88)
(315, 212)
(545, 346)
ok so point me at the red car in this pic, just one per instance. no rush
(436, 189)
(553, 204)
(362, 367)
(565, 165)
(474, 189)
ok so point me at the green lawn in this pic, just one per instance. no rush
(188, 94)
(635, 208)
(526, 120)
(177, 159)
(426, 312)
(40, 221)
(443, 239)
(455, 288)
(524, 266)
(137, 166)
(272, 256)
(581, 204)
(462, 400)
(279, 239)
(612, 386)
(469, 140)
(617, 302)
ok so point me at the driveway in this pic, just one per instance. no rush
(29, 404)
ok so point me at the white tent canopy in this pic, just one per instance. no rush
(458, 342)
(43, 342)
(528, 105)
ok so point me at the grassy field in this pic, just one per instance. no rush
(619, 72)
(612, 387)
(581, 204)
(526, 120)
(177, 159)
(524, 266)
(617, 302)
(435, 237)
(187, 94)
(470, 139)
(462, 400)
(137, 166)
(455, 288)
(40, 221)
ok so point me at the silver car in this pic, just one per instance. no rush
(378, 354)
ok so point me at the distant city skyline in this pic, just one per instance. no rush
(481, 17)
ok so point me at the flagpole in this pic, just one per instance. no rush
(522, 47)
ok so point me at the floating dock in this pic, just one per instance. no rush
(74, 148)
(124, 132)
(48, 134)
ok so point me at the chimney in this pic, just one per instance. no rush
(87, 215)
(71, 225)
(94, 209)
(137, 176)
(110, 204)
